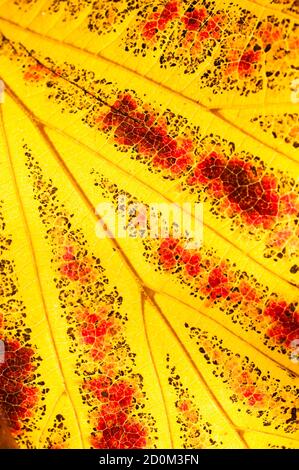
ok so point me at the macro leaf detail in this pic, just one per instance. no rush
(141, 341)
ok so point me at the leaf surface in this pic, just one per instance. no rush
(140, 342)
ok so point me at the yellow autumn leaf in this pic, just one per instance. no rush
(139, 341)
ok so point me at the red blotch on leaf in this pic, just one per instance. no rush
(247, 60)
(139, 129)
(193, 19)
(284, 321)
(172, 254)
(159, 20)
(256, 200)
(117, 430)
(218, 284)
(130, 435)
(75, 269)
(249, 390)
(17, 396)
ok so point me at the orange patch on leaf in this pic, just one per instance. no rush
(39, 72)
(75, 269)
(158, 21)
(245, 64)
(249, 390)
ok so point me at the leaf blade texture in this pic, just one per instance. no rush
(140, 342)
